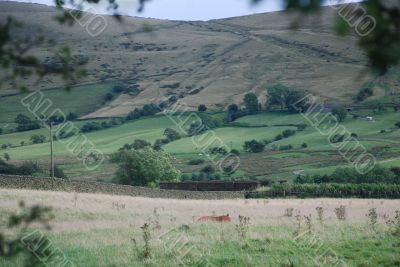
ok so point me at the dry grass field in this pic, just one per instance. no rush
(105, 230)
(137, 210)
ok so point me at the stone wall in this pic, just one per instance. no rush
(48, 184)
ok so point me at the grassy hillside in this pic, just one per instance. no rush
(80, 100)
(213, 62)
(319, 157)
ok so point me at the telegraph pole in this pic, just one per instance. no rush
(51, 152)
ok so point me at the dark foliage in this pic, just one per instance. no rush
(202, 108)
(254, 146)
(25, 123)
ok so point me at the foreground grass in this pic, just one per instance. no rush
(220, 245)
(92, 231)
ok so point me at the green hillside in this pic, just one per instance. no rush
(319, 157)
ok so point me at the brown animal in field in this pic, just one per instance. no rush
(223, 218)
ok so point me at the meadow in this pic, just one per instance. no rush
(380, 137)
(278, 232)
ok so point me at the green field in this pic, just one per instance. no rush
(320, 157)
(80, 100)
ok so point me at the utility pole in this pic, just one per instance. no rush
(51, 152)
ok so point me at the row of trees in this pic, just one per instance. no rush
(278, 97)
(25, 123)
(334, 190)
(379, 174)
(170, 136)
(28, 168)
(147, 110)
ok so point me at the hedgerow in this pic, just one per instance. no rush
(330, 190)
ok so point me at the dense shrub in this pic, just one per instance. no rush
(254, 146)
(91, 126)
(330, 190)
(208, 169)
(364, 94)
(233, 113)
(218, 150)
(340, 113)
(287, 98)
(147, 110)
(251, 103)
(354, 135)
(108, 97)
(285, 134)
(137, 145)
(196, 161)
(59, 173)
(38, 138)
(145, 167)
(301, 127)
(267, 141)
(378, 174)
(396, 171)
(202, 176)
(133, 115)
(202, 108)
(62, 134)
(140, 144)
(186, 177)
(285, 147)
(171, 134)
(397, 124)
(288, 133)
(55, 120)
(337, 138)
(118, 89)
(304, 145)
(24, 123)
(26, 168)
(205, 123)
(29, 168)
(5, 146)
(159, 143)
(71, 116)
(235, 152)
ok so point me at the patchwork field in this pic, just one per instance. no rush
(280, 232)
(319, 157)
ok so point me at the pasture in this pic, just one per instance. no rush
(105, 230)
(319, 157)
(80, 100)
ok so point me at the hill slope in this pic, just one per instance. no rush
(214, 62)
